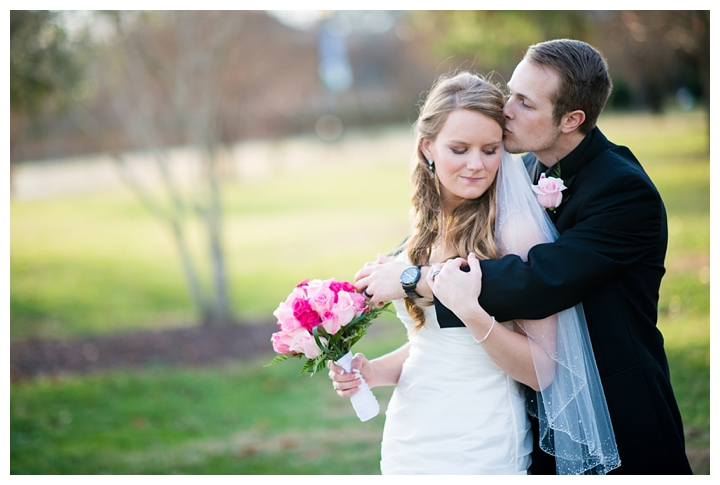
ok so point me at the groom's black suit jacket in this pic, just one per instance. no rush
(609, 256)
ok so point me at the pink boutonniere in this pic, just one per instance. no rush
(549, 191)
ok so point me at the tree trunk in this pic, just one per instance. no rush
(213, 219)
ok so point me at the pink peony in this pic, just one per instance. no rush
(549, 191)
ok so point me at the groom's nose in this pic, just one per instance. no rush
(507, 109)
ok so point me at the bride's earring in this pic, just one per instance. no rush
(431, 164)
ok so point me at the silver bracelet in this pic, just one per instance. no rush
(487, 334)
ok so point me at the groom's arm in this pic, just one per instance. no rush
(618, 225)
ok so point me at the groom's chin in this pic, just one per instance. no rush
(511, 147)
(514, 149)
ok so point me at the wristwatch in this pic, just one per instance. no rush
(409, 280)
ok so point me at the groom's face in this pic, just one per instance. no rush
(530, 126)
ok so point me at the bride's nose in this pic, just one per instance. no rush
(475, 163)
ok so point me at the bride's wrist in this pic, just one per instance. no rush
(478, 321)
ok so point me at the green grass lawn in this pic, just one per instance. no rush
(99, 263)
(233, 419)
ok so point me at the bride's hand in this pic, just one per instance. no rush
(347, 383)
(456, 289)
(380, 280)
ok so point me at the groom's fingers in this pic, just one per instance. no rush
(366, 270)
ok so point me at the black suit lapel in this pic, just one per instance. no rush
(567, 169)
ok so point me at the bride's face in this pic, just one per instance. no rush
(467, 154)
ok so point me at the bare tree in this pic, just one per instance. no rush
(201, 80)
(167, 88)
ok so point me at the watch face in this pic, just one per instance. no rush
(410, 275)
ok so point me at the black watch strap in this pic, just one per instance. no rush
(412, 293)
(410, 286)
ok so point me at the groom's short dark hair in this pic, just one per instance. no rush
(584, 80)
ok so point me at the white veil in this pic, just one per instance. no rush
(571, 409)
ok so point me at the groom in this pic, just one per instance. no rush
(609, 256)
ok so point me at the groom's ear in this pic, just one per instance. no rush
(572, 120)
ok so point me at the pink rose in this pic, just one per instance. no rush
(303, 313)
(295, 294)
(549, 191)
(323, 300)
(344, 308)
(337, 286)
(281, 342)
(361, 305)
(330, 322)
(283, 312)
(304, 342)
(315, 286)
(289, 324)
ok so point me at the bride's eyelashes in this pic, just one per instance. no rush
(458, 151)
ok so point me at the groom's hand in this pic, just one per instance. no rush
(380, 280)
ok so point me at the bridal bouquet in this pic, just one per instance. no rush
(320, 321)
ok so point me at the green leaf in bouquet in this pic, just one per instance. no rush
(319, 331)
(308, 366)
(282, 357)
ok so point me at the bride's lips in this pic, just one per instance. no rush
(473, 179)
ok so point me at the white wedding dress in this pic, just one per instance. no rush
(453, 410)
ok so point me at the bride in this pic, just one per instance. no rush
(461, 398)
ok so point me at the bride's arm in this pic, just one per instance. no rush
(383, 371)
(512, 350)
(524, 358)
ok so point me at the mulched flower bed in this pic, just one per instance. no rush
(186, 346)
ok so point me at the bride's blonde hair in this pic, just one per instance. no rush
(470, 228)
